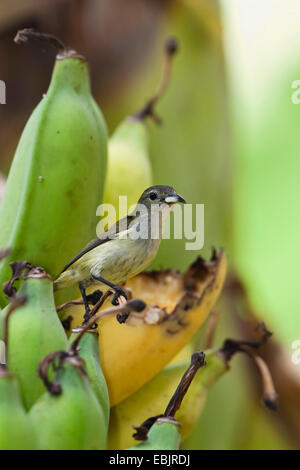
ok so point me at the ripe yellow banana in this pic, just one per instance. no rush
(55, 183)
(190, 394)
(177, 305)
(153, 397)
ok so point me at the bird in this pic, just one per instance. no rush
(124, 250)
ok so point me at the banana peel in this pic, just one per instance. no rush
(177, 305)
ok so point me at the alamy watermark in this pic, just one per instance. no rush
(154, 222)
(295, 97)
(296, 353)
(2, 352)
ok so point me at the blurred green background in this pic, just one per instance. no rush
(229, 140)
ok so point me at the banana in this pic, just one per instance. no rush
(16, 429)
(177, 305)
(48, 211)
(72, 414)
(163, 435)
(35, 330)
(89, 352)
(129, 167)
(187, 402)
(154, 396)
(68, 416)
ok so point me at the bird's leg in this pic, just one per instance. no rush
(85, 300)
(118, 290)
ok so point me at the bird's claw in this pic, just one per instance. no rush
(118, 293)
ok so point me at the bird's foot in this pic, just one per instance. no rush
(119, 292)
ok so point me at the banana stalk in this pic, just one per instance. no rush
(129, 167)
(55, 183)
(162, 431)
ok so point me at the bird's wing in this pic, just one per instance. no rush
(104, 237)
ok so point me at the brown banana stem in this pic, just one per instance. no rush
(231, 347)
(133, 305)
(24, 35)
(197, 361)
(16, 302)
(171, 48)
(4, 253)
(18, 269)
(270, 396)
(53, 387)
(69, 304)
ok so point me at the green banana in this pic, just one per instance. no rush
(89, 349)
(163, 435)
(129, 168)
(35, 330)
(89, 352)
(68, 416)
(71, 415)
(56, 180)
(16, 429)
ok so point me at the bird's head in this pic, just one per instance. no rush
(160, 194)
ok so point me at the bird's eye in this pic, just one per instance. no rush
(153, 196)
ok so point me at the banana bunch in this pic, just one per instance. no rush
(129, 169)
(177, 305)
(48, 211)
(80, 389)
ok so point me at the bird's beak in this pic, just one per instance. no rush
(174, 198)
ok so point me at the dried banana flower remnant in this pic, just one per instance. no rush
(177, 305)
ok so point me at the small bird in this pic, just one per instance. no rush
(125, 249)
